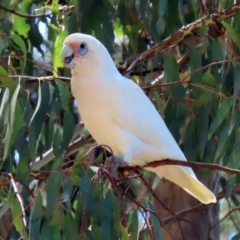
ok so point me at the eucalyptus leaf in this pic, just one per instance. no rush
(14, 123)
(233, 34)
(155, 224)
(57, 60)
(221, 114)
(20, 43)
(16, 213)
(7, 81)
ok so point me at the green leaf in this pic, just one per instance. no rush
(22, 169)
(163, 4)
(206, 89)
(155, 223)
(48, 230)
(216, 50)
(21, 44)
(20, 24)
(58, 218)
(16, 212)
(8, 82)
(57, 141)
(124, 233)
(178, 120)
(236, 94)
(190, 143)
(38, 103)
(79, 208)
(57, 60)
(67, 188)
(208, 79)
(229, 188)
(35, 218)
(75, 180)
(64, 92)
(118, 27)
(171, 68)
(70, 227)
(68, 130)
(172, 16)
(55, 7)
(86, 187)
(86, 6)
(234, 163)
(3, 43)
(73, 20)
(203, 123)
(37, 210)
(53, 191)
(202, 94)
(195, 65)
(133, 224)
(116, 216)
(160, 25)
(106, 208)
(15, 121)
(222, 141)
(38, 117)
(96, 231)
(232, 33)
(222, 113)
(135, 27)
(157, 98)
(108, 5)
(56, 107)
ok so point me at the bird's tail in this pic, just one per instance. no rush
(186, 180)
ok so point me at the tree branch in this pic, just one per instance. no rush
(37, 79)
(61, 8)
(185, 212)
(25, 15)
(73, 147)
(177, 37)
(198, 165)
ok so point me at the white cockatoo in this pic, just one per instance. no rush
(117, 113)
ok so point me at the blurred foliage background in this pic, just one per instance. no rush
(48, 187)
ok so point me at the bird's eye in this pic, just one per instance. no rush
(83, 50)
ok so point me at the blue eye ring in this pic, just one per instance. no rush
(83, 49)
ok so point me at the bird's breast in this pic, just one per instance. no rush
(93, 103)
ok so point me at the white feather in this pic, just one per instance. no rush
(118, 113)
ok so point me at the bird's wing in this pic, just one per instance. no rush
(135, 113)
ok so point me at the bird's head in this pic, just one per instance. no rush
(82, 52)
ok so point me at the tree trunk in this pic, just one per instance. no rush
(196, 224)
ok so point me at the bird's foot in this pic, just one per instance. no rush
(116, 162)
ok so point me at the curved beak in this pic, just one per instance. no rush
(67, 54)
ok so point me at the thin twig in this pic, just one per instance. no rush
(25, 15)
(37, 79)
(198, 165)
(230, 212)
(162, 204)
(179, 36)
(199, 207)
(61, 8)
(73, 147)
(138, 204)
(18, 196)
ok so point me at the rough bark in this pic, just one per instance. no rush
(198, 225)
